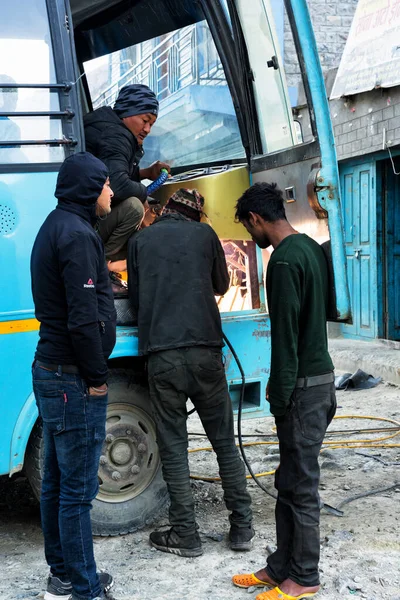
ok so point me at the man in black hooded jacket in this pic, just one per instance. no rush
(116, 137)
(74, 304)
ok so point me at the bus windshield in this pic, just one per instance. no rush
(197, 122)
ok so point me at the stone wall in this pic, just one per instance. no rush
(331, 22)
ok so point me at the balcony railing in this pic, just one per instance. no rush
(183, 58)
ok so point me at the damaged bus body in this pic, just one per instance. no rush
(225, 121)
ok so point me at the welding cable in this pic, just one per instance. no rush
(332, 444)
(328, 433)
(239, 421)
(327, 444)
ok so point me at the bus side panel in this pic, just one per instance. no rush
(17, 404)
(254, 356)
(26, 199)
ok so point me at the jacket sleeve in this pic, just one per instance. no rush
(283, 289)
(116, 153)
(220, 275)
(79, 266)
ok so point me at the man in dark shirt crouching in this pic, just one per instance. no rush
(74, 304)
(301, 389)
(175, 268)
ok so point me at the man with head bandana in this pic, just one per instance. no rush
(176, 267)
(116, 136)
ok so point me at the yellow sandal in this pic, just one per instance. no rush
(248, 580)
(277, 594)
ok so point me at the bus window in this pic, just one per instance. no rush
(197, 122)
(273, 105)
(26, 57)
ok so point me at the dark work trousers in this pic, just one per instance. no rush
(116, 229)
(196, 373)
(300, 432)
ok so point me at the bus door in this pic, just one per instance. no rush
(302, 163)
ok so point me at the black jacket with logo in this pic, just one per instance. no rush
(72, 292)
(111, 141)
(175, 269)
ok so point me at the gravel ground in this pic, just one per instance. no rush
(360, 552)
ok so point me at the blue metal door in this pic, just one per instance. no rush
(359, 212)
(392, 252)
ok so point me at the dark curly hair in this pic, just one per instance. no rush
(264, 199)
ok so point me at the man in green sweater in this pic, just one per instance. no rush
(300, 391)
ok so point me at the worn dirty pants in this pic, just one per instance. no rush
(73, 432)
(300, 432)
(196, 373)
(120, 224)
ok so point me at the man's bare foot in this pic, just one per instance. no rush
(294, 589)
(262, 575)
(117, 265)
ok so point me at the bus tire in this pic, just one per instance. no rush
(132, 491)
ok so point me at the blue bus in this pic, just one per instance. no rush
(225, 121)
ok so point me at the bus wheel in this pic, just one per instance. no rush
(131, 488)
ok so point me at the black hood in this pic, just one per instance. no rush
(81, 179)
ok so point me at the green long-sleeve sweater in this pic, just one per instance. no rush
(297, 291)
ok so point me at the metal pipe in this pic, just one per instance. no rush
(328, 186)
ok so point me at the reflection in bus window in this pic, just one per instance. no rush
(197, 122)
(9, 130)
(26, 57)
(243, 292)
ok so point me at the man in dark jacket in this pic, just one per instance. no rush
(301, 390)
(74, 304)
(177, 266)
(116, 137)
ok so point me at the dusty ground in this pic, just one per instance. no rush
(360, 552)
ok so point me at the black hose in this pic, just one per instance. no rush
(240, 408)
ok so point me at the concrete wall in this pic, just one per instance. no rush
(358, 121)
(331, 21)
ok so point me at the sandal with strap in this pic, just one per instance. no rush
(277, 594)
(248, 580)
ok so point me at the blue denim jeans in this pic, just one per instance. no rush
(74, 431)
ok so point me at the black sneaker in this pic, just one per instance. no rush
(106, 582)
(57, 589)
(169, 541)
(240, 538)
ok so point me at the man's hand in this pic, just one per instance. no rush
(267, 391)
(98, 391)
(154, 171)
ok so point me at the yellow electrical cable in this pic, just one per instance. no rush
(332, 444)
